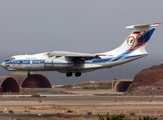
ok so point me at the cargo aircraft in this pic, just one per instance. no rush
(77, 63)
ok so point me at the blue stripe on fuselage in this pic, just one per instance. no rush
(121, 55)
(25, 62)
(100, 60)
(18, 62)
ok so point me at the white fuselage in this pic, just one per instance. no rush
(41, 62)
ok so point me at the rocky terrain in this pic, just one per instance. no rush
(90, 85)
(147, 82)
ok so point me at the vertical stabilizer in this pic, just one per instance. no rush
(138, 39)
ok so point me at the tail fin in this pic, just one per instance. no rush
(137, 40)
(134, 45)
(139, 37)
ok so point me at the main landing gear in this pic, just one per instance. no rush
(77, 74)
(69, 74)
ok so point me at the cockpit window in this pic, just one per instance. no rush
(12, 58)
(7, 60)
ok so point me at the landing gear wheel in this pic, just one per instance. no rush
(78, 74)
(29, 74)
(69, 74)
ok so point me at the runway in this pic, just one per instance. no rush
(81, 98)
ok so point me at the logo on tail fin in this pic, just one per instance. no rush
(136, 41)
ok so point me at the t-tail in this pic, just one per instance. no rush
(134, 45)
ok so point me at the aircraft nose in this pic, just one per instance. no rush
(3, 65)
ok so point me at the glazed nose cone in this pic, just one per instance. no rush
(3, 65)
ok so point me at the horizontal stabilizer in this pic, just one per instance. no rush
(142, 26)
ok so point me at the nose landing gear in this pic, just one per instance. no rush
(28, 74)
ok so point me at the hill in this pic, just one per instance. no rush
(147, 82)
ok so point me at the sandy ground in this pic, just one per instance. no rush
(83, 107)
(79, 107)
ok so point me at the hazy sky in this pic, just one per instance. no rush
(32, 26)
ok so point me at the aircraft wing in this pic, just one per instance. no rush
(76, 57)
(70, 54)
